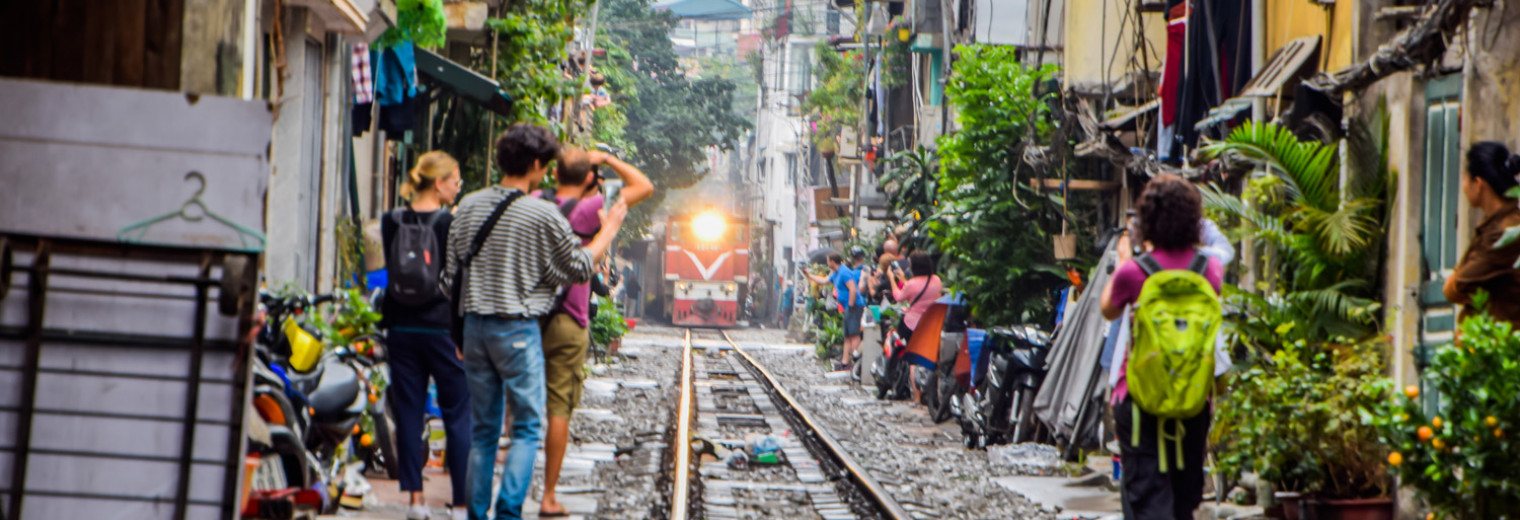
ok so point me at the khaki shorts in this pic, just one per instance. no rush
(565, 343)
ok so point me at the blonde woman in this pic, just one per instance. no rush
(418, 325)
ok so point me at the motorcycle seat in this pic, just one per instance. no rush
(334, 392)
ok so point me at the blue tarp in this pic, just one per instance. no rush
(707, 9)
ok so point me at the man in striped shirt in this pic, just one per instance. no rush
(509, 286)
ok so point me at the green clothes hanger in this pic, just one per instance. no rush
(134, 233)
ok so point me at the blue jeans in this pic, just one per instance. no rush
(504, 361)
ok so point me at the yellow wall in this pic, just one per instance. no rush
(1092, 27)
(1288, 20)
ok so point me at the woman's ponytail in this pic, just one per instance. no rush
(1493, 163)
(431, 167)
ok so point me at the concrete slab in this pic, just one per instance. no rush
(1056, 492)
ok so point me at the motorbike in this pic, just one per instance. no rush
(314, 396)
(1000, 409)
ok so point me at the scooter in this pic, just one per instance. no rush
(1015, 370)
(328, 389)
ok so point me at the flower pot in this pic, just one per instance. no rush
(1287, 505)
(1354, 509)
(612, 346)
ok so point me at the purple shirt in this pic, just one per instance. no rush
(1129, 279)
(585, 219)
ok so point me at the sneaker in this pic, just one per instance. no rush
(459, 513)
(417, 512)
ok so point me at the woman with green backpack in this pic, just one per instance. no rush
(1161, 401)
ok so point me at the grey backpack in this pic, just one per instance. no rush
(413, 266)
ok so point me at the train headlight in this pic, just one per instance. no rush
(681, 286)
(709, 226)
(730, 288)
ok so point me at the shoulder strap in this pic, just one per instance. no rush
(437, 214)
(568, 207)
(924, 290)
(398, 216)
(1200, 263)
(488, 226)
(1148, 264)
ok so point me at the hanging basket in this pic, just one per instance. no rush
(1065, 246)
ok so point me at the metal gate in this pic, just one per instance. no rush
(121, 385)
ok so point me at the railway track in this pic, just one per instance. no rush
(726, 396)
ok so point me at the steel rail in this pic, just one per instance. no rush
(873, 490)
(680, 496)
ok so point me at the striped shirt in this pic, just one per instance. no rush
(529, 254)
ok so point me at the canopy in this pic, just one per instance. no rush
(707, 9)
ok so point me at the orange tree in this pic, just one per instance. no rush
(1462, 459)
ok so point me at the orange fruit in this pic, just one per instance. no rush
(373, 398)
(356, 429)
(1430, 516)
(366, 440)
(1438, 444)
(1412, 391)
(1498, 432)
(1395, 458)
(1425, 433)
(1436, 423)
(1491, 421)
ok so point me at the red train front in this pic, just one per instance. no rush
(706, 269)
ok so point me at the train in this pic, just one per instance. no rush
(705, 269)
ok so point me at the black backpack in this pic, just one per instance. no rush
(413, 264)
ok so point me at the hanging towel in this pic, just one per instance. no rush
(364, 78)
(395, 78)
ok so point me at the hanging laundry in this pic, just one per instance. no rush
(1218, 38)
(1171, 78)
(364, 79)
(395, 78)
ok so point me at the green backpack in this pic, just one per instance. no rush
(1171, 360)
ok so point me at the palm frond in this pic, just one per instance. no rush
(1309, 168)
(1266, 226)
(1346, 231)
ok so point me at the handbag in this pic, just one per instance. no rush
(456, 291)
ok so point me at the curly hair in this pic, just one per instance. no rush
(1170, 209)
(522, 145)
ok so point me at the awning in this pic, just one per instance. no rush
(707, 9)
(463, 82)
(1293, 61)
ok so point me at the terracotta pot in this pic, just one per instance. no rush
(1354, 509)
(1287, 505)
(612, 346)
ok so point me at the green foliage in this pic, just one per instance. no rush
(671, 120)
(992, 227)
(1322, 243)
(912, 184)
(342, 322)
(423, 22)
(1467, 469)
(531, 39)
(837, 101)
(1306, 420)
(609, 323)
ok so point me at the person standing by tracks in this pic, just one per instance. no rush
(417, 332)
(1490, 174)
(566, 334)
(526, 250)
(845, 279)
(1162, 480)
(920, 292)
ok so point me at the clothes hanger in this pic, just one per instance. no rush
(134, 233)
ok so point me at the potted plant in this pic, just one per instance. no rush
(1303, 421)
(608, 327)
(1262, 425)
(1459, 457)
